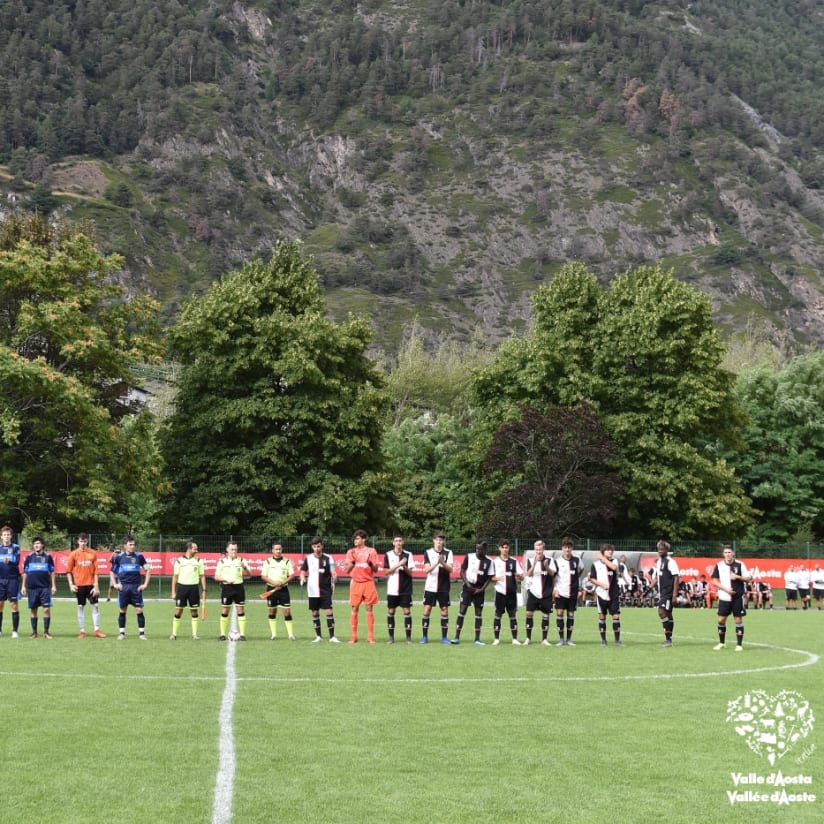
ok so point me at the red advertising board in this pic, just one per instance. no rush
(162, 563)
(770, 570)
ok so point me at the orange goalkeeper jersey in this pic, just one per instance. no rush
(82, 565)
(361, 558)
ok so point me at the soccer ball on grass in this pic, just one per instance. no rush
(234, 635)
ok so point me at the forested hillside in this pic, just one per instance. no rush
(440, 159)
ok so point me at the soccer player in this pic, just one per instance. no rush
(82, 576)
(438, 569)
(624, 580)
(399, 565)
(277, 571)
(362, 563)
(538, 592)
(766, 594)
(790, 588)
(476, 574)
(507, 572)
(230, 571)
(566, 571)
(130, 575)
(9, 579)
(817, 581)
(803, 581)
(730, 578)
(318, 573)
(40, 582)
(188, 582)
(666, 575)
(635, 587)
(606, 576)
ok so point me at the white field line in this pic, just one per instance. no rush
(225, 779)
(808, 659)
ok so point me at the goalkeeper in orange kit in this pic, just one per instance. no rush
(362, 563)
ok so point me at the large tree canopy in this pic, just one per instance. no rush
(782, 466)
(72, 454)
(645, 354)
(279, 414)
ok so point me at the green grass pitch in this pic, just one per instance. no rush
(103, 730)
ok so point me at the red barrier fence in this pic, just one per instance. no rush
(162, 563)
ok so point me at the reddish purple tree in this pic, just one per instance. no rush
(556, 475)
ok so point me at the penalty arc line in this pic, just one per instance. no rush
(810, 659)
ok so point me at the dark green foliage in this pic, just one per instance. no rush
(120, 194)
(41, 199)
(96, 77)
(74, 451)
(279, 414)
(782, 463)
(646, 355)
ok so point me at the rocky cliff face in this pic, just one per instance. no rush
(452, 199)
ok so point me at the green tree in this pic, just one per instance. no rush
(433, 376)
(120, 194)
(554, 363)
(782, 465)
(279, 413)
(647, 357)
(42, 200)
(665, 399)
(433, 475)
(72, 451)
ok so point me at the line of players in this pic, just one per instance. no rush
(551, 584)
(548, 583)
(801, 584)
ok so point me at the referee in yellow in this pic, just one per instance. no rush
(188, 582)
(277, 571)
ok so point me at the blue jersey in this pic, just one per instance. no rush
(38, 569)
(127, 568)
(9, 562)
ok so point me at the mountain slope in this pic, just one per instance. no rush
(439, 159)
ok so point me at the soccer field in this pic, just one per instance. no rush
(123, 731)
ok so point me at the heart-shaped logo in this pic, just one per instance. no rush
(771, 724)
